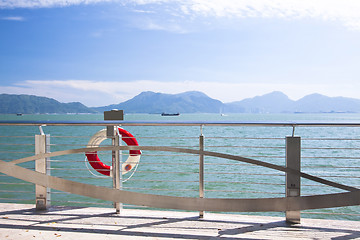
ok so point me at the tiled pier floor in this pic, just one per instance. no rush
(21, 221)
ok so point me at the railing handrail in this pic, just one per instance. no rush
(180, 123)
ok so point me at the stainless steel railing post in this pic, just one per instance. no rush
(293, 157)
(201, 170)
(42, 196)
(112, 132)
(117, 174)
(48, 169)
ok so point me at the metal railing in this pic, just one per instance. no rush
(201, 166)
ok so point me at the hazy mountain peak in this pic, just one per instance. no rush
(30, 104)
(187, 102)
(151, 102)
(192, 93)
(276, 94)
(313, 96)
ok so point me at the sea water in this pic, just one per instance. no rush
(177, 174)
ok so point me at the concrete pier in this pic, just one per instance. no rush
(22, 221)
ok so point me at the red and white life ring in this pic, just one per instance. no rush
(95, 162)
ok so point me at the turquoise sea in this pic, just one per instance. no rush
(328, 152)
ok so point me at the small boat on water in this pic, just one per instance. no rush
(170, 114)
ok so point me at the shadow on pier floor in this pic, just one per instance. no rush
(21, 221)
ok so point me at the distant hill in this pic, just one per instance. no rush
(275, 102)
(29, 104)
(278, 102)
(320, 103)
(151, 102)
(187, 102)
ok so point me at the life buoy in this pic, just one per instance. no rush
(95, 162)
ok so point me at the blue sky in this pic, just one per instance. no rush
(103, 52)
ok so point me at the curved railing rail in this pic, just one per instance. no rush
(223, 205)
(191, 151)
(291, 203)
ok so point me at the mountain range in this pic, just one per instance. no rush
(278, 102)
(29, 104)
(187, 102)
(151, 102)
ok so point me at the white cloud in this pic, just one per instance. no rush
(45, 3)
(149, 24)
(101, 93)
(13, 18)
(345, 11)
